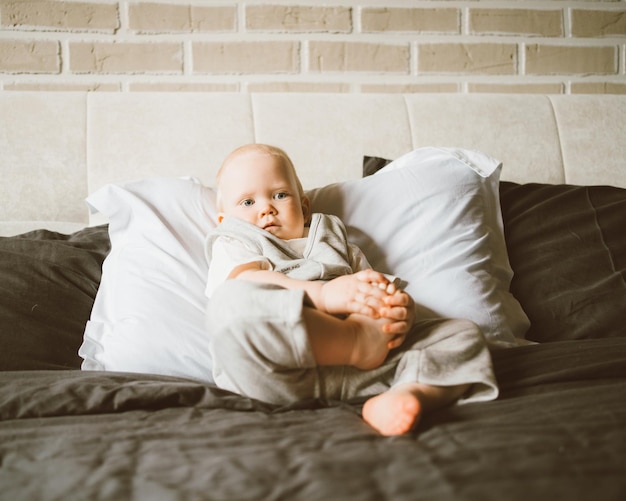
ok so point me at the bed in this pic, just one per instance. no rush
(105, 377)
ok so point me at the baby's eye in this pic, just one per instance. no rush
(281, 196)
(247, 202)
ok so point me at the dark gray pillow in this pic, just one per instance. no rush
(48, 283)
(567, 247)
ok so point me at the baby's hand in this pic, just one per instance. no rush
(400, 309)
(360, 293)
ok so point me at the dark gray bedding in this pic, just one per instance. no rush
(557, 431)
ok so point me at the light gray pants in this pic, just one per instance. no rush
(261, 350)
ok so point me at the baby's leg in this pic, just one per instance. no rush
(398, 410)
(357, 340)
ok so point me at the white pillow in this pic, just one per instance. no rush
(148, 315)
(432, 217)
(428, 217)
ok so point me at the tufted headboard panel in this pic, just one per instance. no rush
(57, 147)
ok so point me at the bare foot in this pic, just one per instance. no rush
(372, 343)
(394, 412)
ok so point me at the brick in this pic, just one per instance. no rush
(598, 23)
(18, 56)
(60, 15)
(410, 20)
(598, 88)
(517, 88)
(126, 57)
(547, 23)
(63, 87)
(182, 87)
(298, 87)
(157, 18)
(245, 57)
(356, 56)
(478, 58)
(562, 59)
(424, 88)
(299, 18)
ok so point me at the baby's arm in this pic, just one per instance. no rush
(356, 293)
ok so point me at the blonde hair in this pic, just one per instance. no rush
(265, 149)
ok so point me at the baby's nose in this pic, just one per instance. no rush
(268, 208)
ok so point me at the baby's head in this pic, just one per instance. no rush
(258, 183)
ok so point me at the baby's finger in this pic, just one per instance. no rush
(400, 298)
(371, 276)
(371, 290)
(363, 309)
(367, 297)
(396, 341)
(396, 328)
(394, 313)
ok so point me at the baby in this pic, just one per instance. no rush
(296, 312)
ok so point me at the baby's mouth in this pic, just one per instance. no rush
(269, 226)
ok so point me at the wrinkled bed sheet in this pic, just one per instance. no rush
(557, 432)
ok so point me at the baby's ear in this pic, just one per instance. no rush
(306, 208)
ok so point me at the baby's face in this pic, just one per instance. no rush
(262, 190)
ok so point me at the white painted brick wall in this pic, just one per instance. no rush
(522, 46)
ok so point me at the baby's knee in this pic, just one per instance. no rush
(233, 303)
(228, 300)
(466, 326)
(448, 332)
(254, 318)
(465, 332)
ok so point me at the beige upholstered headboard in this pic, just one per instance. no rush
(57, 147)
